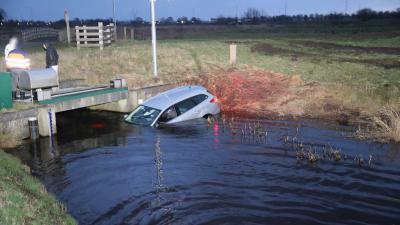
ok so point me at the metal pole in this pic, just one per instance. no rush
(115, 22)
(33, 128)
(154, 37)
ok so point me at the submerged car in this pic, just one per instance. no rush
(176, 105)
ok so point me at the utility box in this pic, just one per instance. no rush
(5, 91)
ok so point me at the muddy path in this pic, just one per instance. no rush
(377, 62)
(356, 49)
(268, 49)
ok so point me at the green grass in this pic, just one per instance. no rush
(363, 73)
(390, 42)
(23, 199)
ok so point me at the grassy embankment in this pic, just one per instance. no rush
(356, 65)
(23, 199)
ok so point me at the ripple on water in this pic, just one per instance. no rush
(203, 174)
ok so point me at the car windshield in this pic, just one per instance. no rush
(143, 115)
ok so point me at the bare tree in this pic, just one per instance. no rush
(253, 15)
(3, 14)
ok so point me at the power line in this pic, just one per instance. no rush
(286, 7)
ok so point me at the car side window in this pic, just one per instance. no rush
(190, 103)
(185, 106)
(168, 115)
(199, 98)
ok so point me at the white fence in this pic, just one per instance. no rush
(94, 36)
(63, 36)
(38, 33)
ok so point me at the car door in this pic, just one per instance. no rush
(169, 115)
(189, 108)
(199, 100)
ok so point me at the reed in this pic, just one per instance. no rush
(387, 125)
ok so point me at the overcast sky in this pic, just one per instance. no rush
(205, 9)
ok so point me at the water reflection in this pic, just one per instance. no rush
(43, 151)
(159, 168)
(203, 173)
(216, 133)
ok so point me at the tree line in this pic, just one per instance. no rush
(255, 16)
(251, 16)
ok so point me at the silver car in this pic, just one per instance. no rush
(176, 105)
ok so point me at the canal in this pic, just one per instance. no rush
(221, 172)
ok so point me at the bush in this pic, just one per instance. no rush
(366, 14)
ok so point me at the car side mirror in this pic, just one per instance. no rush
(126, 116)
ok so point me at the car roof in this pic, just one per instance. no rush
(164, 100)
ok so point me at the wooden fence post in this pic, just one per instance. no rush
(77, 36)
(233, 54)
(112, 32)
(132, 33)
(66, 17)
(85, 34)
(101, 35)
(115, 31)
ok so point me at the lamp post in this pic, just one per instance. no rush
(154, 36)
(115, 22)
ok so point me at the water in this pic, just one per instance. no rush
(109, 172)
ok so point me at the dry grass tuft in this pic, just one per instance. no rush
(387, 125)
(8, 139)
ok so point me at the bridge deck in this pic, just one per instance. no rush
(81, 95)
(86, 99)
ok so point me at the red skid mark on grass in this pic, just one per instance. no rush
(246, 91)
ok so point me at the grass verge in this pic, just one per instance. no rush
(23, 199)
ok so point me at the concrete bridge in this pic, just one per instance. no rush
(110, 99)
